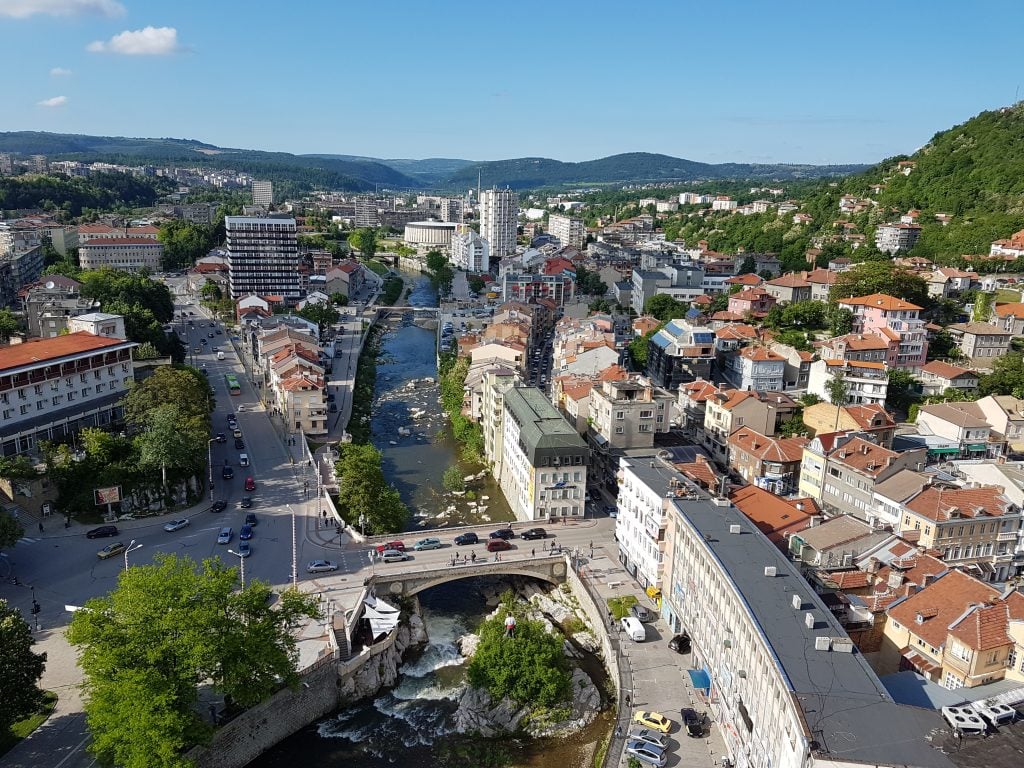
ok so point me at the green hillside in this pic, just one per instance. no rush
(632, 167)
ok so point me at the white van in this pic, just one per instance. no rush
(634, 629)
(243, 460)
(220, 355)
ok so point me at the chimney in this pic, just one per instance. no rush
(800, 506)
(864, 449)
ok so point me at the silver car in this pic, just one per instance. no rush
(646, 753)
(225, 536)
(321, 566)
(176, 525)
(393, 556)
(649, 736)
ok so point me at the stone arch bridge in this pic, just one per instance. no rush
(549, 568)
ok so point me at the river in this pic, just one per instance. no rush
(415, 463)
(411, 724)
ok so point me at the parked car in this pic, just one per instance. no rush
(503, 533)
(250, 519)
(102, 532)
(246, 503)
(534, 533)
(227, 473)
(467, 538)
(654, 720)
(219, 506)
(646, 753)
(693, 722)
(239, 444)
(176, 525)
(321, 566)
(398, 546)
(498, 545)
(238, 434)
(250, 484)
(649, 736)
(680, 643)
(246, 533)
(110, 550)
(225, 535)
(641, 613)
(244, 549)
(393, 556)
(221, 437)
(428, 543)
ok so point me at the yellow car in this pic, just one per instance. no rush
(654, 720)
(110, 550)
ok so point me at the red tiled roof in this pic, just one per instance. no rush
(939, 604)
(792, 280)
(699, 391)
(105, 242)
(863, 456)
(786, 450)
(881, 301)
(760, 354)
(771, 513)
(940, 503)
(943, 370)
(43, 350)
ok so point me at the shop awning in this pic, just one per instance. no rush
(954, 449)
(700, 678)
(1016, 447)
(977, 447)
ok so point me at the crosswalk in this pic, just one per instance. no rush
(27, 540)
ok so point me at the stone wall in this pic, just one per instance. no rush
(597, 614)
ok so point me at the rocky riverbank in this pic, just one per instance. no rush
(478, 713)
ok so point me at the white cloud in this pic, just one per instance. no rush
(151, 41)
(56, 101)
(22, 9)
(60, 72)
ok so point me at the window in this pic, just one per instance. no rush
(646, 414)
(644, 428)
(620, 415)
(952, 682)
(38, 388)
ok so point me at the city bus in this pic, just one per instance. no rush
(232, 382)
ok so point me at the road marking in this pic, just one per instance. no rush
(72, 753)
(27, 540)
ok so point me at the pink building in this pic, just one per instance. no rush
(892, 319)
(756, 301)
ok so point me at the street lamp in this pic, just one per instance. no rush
(241, 562)
(209, 461)
(131, 548)
(295, 567)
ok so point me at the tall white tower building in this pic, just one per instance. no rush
(499, 213)
(263, 193)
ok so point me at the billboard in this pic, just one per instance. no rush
(111, 495)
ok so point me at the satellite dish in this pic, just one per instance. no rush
(50, 285)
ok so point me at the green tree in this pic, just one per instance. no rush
(364, 240)
(839, 320)
(639, 347)
(1006, 377)
(20, 668)
(8, 324)
(589, 283)
(601, 305)
(323, 314)
(10, 530)
(453, 479)
(364, 494)
(435, 261)
(881, 277)
(794, 427)
(185, 387)
(529, 668)
(983, 302)
(146, 351)
(168, 443)
(166, 629)
(838, 390)
(748, 265)
(339, 299)
(902, 389)
(211, 292)
(476, 283)
(184, 242)
(942, 346)
(664, 307)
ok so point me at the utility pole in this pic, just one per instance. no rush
(295, 571)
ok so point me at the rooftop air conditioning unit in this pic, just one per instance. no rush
(823, 643)
(769, 571)
(734, 529)
(809, 620)
(798, 602)
(842, 645)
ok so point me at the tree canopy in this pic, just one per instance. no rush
(664, 307)
(364, 494)
(364, 240)
(184, 242)
(1006, 377)
(166, 629)
(589, 283)
(881, 277)
(322, 313)
(20, 668)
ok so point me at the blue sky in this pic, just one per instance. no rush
(812, 81)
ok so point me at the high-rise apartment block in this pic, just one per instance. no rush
(499, 212)
(568, 229)
(263, 193)
(263, 256)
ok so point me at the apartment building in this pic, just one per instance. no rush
(1005, 414)
(647, 486)
(727, 410)
(771, 463)
(497, 380)
(628, 414)
(755, 368)
(789, 289)
(469, 251)
(680, 353)
(938, 376)
(769, 657)
(263, 193)
(835, 544)
(776, 517)
(895, 237)
(302, 402)
(841, 470)
(858, 347)
(961, 429)
(88, 233)
(125, 254)
(692, 405)
(980, 343)
(263, 257)
(52, 388)
(499, 216)
(568, 229)
(895, 319)
(865, 383)
(751, 302)
(529, 288)
(544, 460)
(872, 420)
(957, 632)
(47, 305)
(797, 365)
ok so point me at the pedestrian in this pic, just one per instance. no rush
(40, 526)
(495, 557)
(533, 553)
(473, 556)
(627, 701)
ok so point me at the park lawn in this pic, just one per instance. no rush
(1007, 295)
(377, 267)
(619, 606)
(24, 727)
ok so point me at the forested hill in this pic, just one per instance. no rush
(293, 173)
(632, 167)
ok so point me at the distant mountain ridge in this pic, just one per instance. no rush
(357, 173)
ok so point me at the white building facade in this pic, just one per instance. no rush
(470, 252)
(499, 214)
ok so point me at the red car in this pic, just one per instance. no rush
(398, 546)
(498, 545)
(250, 484)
